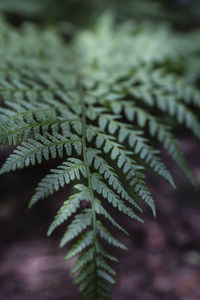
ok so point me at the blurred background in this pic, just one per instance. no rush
(163, 261)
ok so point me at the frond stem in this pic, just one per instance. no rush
(89, 175)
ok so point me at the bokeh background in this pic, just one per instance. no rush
(163, 261)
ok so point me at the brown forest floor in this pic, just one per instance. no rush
(163, 261)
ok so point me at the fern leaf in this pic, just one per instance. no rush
(81, 244)
(69, 207)
(105, 234)
(67, 172)
(99, 114)
(79, 224)
(32, 152)
(99, 209)
(108, 194)
(84, 259)
(103, 168)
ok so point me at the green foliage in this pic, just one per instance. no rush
(99, 103)
(83, 13)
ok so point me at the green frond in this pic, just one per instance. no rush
(101, 251)
(99, 209)
(103, 168)
(101, 263)
(101, 188)
(171, 83)
(83, 242)
(32, 152)
(137, 142)
(103, 274)
(89, 269)
(71, 170)
(178, 110)
(169, 142)
(98, 102)
(163, 134)
(79, 224)
(83, 288)
(106, 235)
(69, 207)
(22, 119)
(84, 259)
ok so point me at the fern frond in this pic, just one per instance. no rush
(98, 103)
(106, 235)
(104, 169)
(82, 243)
(32, 152)
(101, 188)
(80, 223)
(22, 119)
(157, 129)
(138, 143)
(84, 259)
(64, 174)
(99, 209)
(69, 207)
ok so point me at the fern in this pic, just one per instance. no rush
(96, 104)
